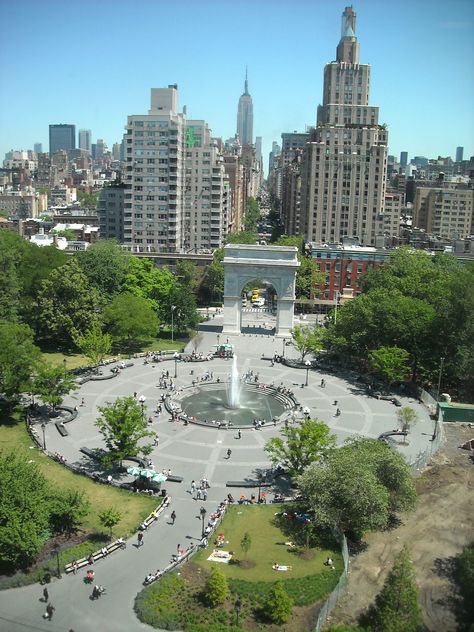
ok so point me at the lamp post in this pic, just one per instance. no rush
(173, 307)
(238, 605)
(176, 356)
(308, 366)
(58, 570)
(440, 376)
(203, 513)
(218, 339)
(336, 301)
(142, 400)
(283, 350)
(259, 488)
(43, 426)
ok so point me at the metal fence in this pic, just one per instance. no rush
(340, 589)
(423, 457)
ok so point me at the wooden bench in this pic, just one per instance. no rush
(61, 428)
(247, 483)
(174, 479)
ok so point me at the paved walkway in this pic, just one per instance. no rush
(192, 452)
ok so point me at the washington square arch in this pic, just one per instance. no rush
(276, 265)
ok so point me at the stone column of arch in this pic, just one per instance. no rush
(276, 264)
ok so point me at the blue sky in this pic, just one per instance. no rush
(93, 63)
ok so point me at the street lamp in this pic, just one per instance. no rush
(218, 338)
(43, 426)
(283, 351)
(308, 366)
(173, 307)
(336, 301)
(238, 605)
(55, 551)
(203, 513)
(176, 356)
(440, 376)
(142, 400)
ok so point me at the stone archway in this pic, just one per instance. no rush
(277, 264)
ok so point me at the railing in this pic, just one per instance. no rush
(340, 589)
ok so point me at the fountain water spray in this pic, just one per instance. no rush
(233, 392)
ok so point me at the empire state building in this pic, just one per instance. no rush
(245, 116)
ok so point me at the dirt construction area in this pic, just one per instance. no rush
(438, 528)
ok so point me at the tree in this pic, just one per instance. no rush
(146, 281)
(213, 281)
(123, 426)
(51, 383)
(246, 543)
(187, 274)
(308, 277)
(183, 305)
(407, 416)
(396, 606)
(18, 356)
(105, 265)
(358, 486)
(94, 344)
(11, 248)
(67, 510)
(307, 339)
(278, 606)
(131, 320)
(305, 444)
(67, 304)
(391, 363)
(216, 589)
(244, 237)
(24, 518)
(463, 574)
(87, 199)
(109, 518)
(252, 215)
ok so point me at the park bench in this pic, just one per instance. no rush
(247, 483)
(174, 479)
(92, 453)
(97, 555)
(61, 428)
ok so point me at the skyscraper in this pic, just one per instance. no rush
(459, 153)
(344, 164)
(403, 159)
(38, 148)
(245, 116)
(85, 139)
(61, 136)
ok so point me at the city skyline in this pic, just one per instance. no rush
(420, 55)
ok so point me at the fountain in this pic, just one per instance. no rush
(233, 392)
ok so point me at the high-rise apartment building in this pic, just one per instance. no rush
(61, 136)
(343, 166)
(85, 139)
(445, 211)
(245, 116)
(403, 159)
(38, 148)
(459, 154)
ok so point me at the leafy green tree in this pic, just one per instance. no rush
(24, 517)
(249, 237)
(187, 274)
(463, 574)
(252, 214)
(183, 305)
(109, 518)
(407, 416)
(308, 277)
(302, 445)
(123, 426)
(94, 344)
(391, 363)
(105, 265)
(87, 199)
(131, 320)
(67, 510)
(11, 248)
(396, 606)
(51, 383)
(358, 486)
(18, 356)
(345, 628)
(307, 339)
(67, 304)
(278, 606)
(212, 286)
(216, 589)
(246, 543)
(146, 281)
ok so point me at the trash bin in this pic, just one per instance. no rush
(163, 492)
(47, 578)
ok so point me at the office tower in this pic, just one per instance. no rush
(403, 159)
(85, 139)
(343, 167)
(100, 148)
(459, 154)
(117, 151)
(154, 175)
(245, 116)
(38, 148)
(258, 148)
(61, 136)
(94, 151)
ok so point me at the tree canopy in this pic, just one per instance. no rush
(390, 363)
(307, 339)
(51, 383)
(94, 344)
(105, 265)
(18, 357)
(131, 320)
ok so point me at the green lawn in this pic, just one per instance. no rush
(134, 507)
(268, 547)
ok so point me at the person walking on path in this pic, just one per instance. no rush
(45, 595)
(50, 611)
(193, 486)
(229, 452)
(239, 434)
(173, 516)
(140, 539)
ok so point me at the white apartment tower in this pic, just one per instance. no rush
(245, 116)
(85, 136)
(154, 175)
(343, 166)
(206, 190)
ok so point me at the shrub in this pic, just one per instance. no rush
(216, 590)
(278, 606)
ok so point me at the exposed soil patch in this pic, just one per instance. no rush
(438, 529)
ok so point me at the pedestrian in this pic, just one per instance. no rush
(45, 595)
(239, 434)
(229, 452)
(156, 440)
(140, 539)
(198, 494)
(173, 516)
(82, 402)
(193, 486)
(50, 611)
(204, 494)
